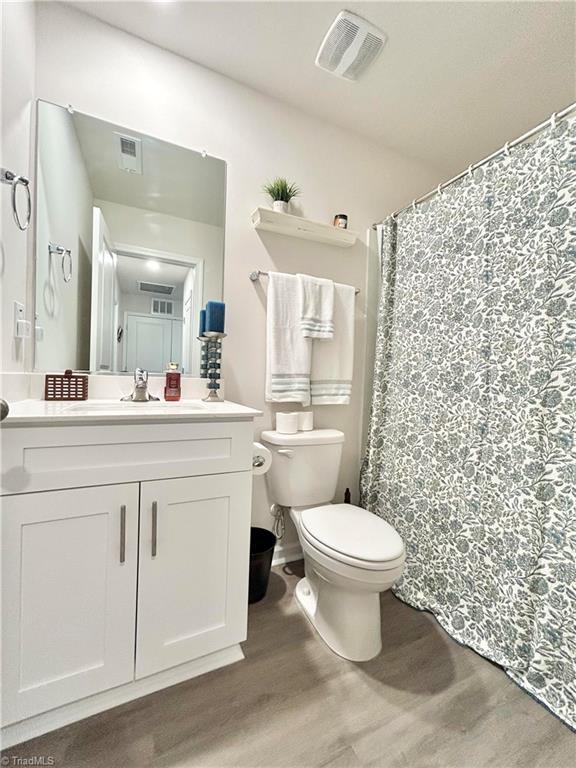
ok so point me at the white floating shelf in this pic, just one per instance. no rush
(296, 226)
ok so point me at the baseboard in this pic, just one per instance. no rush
(78, 710)
(287, 553)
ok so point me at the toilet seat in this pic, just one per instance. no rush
(353, 535)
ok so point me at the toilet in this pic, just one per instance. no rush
(350, 554)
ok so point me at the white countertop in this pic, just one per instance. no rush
(27, 413)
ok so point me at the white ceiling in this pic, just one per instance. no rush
(174, 181)
(455, 81)
(129, 270)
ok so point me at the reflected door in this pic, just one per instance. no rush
(148, 342)
(104, 297)
(152, 342)
(176, 350)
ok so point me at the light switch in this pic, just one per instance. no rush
(22, 327)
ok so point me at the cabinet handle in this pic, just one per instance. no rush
(123, 533)
(154, 528)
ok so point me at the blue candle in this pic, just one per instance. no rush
(215, 311)
(202, 322)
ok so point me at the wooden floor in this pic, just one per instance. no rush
(425, 701)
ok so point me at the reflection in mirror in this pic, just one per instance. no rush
(129, 246)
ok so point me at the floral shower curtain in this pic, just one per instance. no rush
(471, 452)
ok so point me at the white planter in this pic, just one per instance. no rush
(280, 206)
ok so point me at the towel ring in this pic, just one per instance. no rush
(67, 274)
(21, 181)
(66, 261)
(7, 177)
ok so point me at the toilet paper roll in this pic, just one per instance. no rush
(287, 423)
(305, 421)
(261, 459)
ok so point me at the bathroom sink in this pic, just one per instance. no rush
(130, 407)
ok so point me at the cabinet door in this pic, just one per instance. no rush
(193, 568)
(69, 566)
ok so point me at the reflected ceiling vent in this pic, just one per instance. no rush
(161, 288)
(129, 153)
(350, 46)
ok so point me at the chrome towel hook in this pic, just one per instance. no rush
(7, 177)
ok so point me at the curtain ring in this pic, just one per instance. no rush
(470, 169)
(506, 149)
(413, 205)
(553, 120)
(22, 224)
(67, 275)
(439, 189)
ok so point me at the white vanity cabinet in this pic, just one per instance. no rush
(112, 590)
(194, 551)
(69, 565)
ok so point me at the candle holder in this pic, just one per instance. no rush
(210, 361)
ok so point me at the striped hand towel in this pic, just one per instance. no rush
(317, 307)
(333, 359)
(288, 352)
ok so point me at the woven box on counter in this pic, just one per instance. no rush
(67, 386)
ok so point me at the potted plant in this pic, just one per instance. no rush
(281, 192)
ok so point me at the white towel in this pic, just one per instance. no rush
(333, 359)
(317, 307)
(288, 352)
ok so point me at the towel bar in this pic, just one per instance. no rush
(258, 273)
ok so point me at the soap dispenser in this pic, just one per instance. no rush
(172, 390)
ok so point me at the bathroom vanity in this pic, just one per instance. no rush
(125, 552)
(125, 526)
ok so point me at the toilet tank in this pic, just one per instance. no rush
(305, 466)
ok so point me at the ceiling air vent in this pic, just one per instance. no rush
(129, 154)
(350, 46)
(127, 146)
(161, 288)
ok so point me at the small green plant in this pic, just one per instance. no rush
(280, 189)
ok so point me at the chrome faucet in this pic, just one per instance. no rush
(140, 393)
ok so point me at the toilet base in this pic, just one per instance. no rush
(347, 621)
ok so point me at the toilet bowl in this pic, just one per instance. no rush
(350, 555)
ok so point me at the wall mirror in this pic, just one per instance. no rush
(129, 246)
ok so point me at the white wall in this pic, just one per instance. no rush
(117, 77)
(64, 217)
(182, 237)
(17, 65)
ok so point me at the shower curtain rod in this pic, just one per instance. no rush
(503, 150)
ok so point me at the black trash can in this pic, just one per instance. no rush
(262, 543)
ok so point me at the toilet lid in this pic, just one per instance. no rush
(353, 532)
